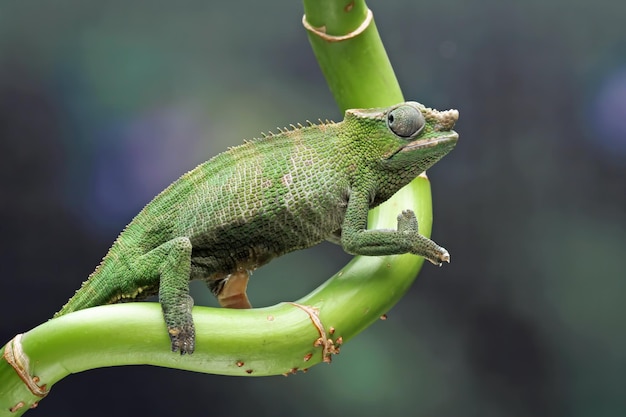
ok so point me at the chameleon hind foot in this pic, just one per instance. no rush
(183, 339)
(180, 328)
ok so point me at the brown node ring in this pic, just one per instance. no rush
(16, 357)
(327, 344)
(321, 31)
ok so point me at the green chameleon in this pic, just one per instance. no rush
(268, 197)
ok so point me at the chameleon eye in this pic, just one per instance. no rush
(406, 121)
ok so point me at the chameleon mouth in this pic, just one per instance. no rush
(451, 136)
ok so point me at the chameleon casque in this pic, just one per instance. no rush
(268, 197)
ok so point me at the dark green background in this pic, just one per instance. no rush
(102, 104)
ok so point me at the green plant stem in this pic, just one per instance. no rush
(358, 70)
(267, 341)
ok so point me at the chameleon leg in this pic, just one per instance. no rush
(233, 291)
(357, 240)
(172, 261)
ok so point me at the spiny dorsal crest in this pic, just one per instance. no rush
(291, 128)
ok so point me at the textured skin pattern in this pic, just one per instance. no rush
(267, 197)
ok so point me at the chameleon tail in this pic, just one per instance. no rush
(95, 291)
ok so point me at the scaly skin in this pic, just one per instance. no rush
(268, 197)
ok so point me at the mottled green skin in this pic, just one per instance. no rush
(268, 197)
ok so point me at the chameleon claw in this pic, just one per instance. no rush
(445, 256)
(183, 339)
(439, 258)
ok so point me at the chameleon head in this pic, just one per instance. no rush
(411, 136)
(426, 134)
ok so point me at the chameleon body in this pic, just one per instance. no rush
(268, 197)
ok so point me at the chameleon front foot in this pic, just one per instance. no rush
(407, 223)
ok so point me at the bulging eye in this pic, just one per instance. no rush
(406, 121)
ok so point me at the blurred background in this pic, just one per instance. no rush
(103, 104)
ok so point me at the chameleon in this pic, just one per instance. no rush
(269, 196)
